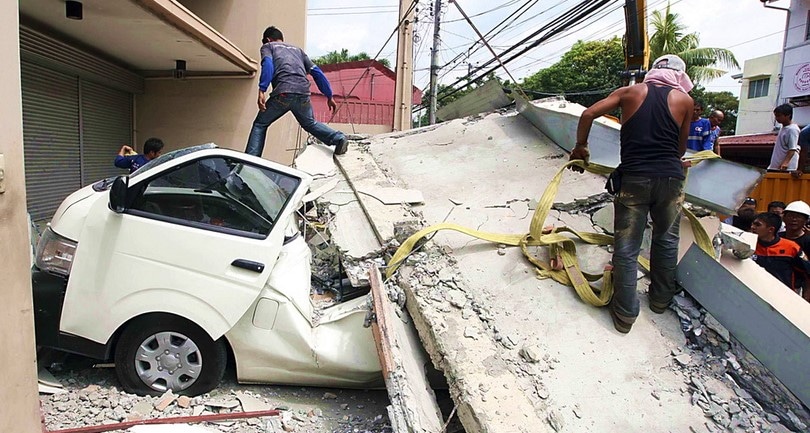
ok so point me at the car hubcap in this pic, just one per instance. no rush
(168, 360)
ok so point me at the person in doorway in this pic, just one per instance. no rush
(286, 67)
(700, 131)
(128, 158)
(715, 119)
(785, 155)
(745, 215)
(782, 258)
(648, 181)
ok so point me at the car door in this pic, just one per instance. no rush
(198, 240)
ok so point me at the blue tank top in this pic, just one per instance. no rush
(649, 139)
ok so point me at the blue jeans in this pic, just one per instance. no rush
(639, 196)
(277, 106)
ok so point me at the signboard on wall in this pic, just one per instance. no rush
(801, 79)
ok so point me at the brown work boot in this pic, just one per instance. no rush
(622, 323)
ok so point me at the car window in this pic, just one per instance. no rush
(218, 193)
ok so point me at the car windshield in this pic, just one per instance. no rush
(166, 157)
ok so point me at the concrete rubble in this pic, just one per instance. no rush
(522, 354)
(91, 398)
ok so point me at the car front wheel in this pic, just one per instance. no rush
(160, 353)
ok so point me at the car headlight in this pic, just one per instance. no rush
(55, 253)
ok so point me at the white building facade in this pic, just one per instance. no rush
(795, 77)
(760, 86)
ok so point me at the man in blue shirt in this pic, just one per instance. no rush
(127, 158)
(700, 131)
(286, 67)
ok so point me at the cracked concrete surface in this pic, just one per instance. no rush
(583, 376)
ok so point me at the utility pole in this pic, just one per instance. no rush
(403, 95)
(434, 62)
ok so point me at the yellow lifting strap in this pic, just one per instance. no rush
(561, 248)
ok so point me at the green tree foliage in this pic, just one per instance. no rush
(669, 37)
(588, 72)
(343, 56)
(723, 101)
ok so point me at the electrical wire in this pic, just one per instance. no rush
(568, 19)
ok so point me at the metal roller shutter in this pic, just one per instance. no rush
(106, 125)
(50, 103)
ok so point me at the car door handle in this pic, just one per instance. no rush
(249, 265)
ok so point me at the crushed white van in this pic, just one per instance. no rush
(195, 256)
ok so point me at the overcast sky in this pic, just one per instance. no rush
(743, 26)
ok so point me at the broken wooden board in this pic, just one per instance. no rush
(707, 185)
(413, 406)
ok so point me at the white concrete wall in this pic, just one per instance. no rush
(193, 111)
(796, 69)
(756, 115)
(19, 402)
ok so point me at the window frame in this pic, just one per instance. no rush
(759, 88)
(138, 191)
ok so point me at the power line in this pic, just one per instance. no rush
(563, 22)
(507, 4)
(329, 14)
(354, 7)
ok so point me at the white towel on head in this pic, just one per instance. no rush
(669, 77)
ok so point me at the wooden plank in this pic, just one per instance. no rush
(413, 404)
(777, 342)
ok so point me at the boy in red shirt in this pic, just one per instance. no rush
(782, 258)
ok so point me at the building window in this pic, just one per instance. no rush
(758, 88)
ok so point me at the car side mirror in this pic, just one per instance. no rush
(118, 194)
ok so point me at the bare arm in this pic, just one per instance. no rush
(600, 108)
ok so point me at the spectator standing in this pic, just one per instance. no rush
(700, 131)
(796, 216)
(286, 67)
(785, 155)
(782, 258)
(745, 215)
(648, 182)
(128, 158)
(804, 148)
(715, 119)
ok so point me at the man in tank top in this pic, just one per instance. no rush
(656, 115)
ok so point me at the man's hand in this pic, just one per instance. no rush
(580, 152)
(126, 150)
(261, 102)
(685, 163)
(783, 166)
(331, 104)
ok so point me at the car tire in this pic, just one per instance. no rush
(161, 352)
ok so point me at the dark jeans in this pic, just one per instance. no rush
(277, 106)
(661, 198)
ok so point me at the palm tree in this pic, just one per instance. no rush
(670, 37)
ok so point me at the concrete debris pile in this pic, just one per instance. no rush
(301, 410)
(759, 395)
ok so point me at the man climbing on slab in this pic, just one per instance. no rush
(656, 115)
(286, 67)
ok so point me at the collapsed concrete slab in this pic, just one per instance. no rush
(522, 354)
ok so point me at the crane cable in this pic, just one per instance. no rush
(563, 265)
